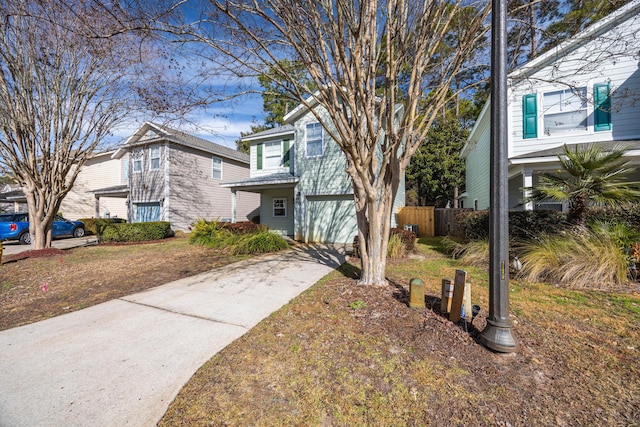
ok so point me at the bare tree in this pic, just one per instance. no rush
(69, 72)
(384, 69)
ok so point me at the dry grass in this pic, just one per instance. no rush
(348, 355)
(82, 277)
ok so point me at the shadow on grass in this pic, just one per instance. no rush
(349, 270)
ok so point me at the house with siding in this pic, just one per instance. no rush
(176, 177)
(584, 91)
(88, 198)
(300, 176)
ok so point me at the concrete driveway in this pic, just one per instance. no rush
(13, 247)
(122, 362)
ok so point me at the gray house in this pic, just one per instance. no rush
(299, 173)
(173, 176)
(585, 91)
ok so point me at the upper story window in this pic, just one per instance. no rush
(315, 147)
(125, 169)
(154, 158)
(565, 111)
(217, 168)
(136, 160)
(272, 155)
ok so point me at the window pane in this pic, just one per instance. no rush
(280, 207)
(314, 140)
(217, 168)
(565, 122)
(272, 155)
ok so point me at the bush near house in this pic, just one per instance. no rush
(95, 225)
(136, 232)
(239, 238)
(522, 224)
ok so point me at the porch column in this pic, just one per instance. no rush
(527, 184)
(233, 206)
(97, 207)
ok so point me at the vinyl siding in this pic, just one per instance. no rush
(280, 225)
(606, 59)
(253, 153)
(477, 166)
(98, 172)
(193, 192)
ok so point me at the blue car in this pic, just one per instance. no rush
(15, 226)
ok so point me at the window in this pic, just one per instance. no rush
(279, 207)
(272, 155)
(125, 170)
(565, 111)
(136, 157)
(217, 168)
(154, 162)
(146, 212)
(314, 140)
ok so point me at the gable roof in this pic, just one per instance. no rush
(626, 12)
(270, 133)
(164, 133)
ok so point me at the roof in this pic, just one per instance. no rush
(272, 180)
(113, 190)
(270, 133)
(556, 151)
(165, 133)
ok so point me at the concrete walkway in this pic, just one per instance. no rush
(123, 362)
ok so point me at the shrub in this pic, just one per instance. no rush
(522, 224)
(407, 237)
(396, 247)
(136, 232)
(211, 234)
(243, 227)
(95, 225)
(587, 260)
(259, 243)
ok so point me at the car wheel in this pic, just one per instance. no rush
(78, 232)
(25, 238)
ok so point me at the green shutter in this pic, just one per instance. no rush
(259, 156)
(529, 116)
(602, 104)
(286, 159)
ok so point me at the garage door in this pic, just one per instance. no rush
(331, 219)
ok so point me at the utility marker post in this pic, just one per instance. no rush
(497, 334)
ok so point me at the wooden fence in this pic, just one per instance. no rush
(422, 216)
(446, 224)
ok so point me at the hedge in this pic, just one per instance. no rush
(136, 232)
(95, 225)
(522, 224)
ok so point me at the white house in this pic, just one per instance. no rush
(586, 90)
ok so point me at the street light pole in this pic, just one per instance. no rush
(497, 334)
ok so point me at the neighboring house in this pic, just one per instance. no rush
(587, 90)
(176, 177)
(300, 174)
(100, 189)
(12, 199)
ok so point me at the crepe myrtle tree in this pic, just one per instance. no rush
(70, 71)
(369, 64)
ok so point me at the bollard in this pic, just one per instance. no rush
(0, 254)
(447, 296)
(416, 293)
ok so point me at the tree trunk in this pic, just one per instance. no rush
(374, 223)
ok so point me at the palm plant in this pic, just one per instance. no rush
(589, 176)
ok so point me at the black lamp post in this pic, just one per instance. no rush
(497, 334)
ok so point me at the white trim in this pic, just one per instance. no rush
(284, 206)
(213, 168)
